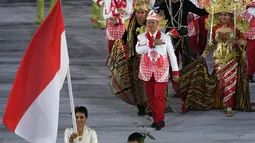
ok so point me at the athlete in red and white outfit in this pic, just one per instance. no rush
(115, 12)
(157, 50)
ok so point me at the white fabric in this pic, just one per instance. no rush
(108, 13)
(251, 10)
(142, 47)
(130, 6)
(151, 4)
(45, 109)
(89, 135)
(194, 2)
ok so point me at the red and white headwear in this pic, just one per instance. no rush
(152, 16)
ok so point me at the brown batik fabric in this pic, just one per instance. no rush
(197, 86)
(242, 97)
(120, 81)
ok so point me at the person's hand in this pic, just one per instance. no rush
(113, 21)
(101, 3)
(175, 78)
(121, 11)
(190, 17)
(158, 42)
(72, 137)
(241, 42)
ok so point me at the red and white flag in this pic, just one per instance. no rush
(33, 106)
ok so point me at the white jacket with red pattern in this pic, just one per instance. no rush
(160, 55)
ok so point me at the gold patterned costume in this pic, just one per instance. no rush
(229, 87)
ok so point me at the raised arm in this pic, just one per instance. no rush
(172, 56)
(111, 11)
(192, 8)
(142, 46)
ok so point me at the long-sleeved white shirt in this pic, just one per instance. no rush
(89, 135)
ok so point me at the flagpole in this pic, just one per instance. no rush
(70, 90)
(71, 102)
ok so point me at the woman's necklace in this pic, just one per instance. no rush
(80, 138)
(80, 135)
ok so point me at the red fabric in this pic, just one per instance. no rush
(123, 4)
(37, 70)
(110, 45)
(145, 73)
(153, 55)
(93, 20)
(98, 2)
(114, 32)
(194, 43)
(202, 33)
(175, 73)
(226, 81)
(155, 93)
(120, 3)
(174, 32)
(149, 63)
(196, 25)
(251, 55)
(175, 86)
(125, 51)
(119, 20)
(151, 38)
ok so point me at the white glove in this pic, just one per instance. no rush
(101, 3)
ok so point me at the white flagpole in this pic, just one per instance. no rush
(235, 17)
(71, 102)
(70, 90)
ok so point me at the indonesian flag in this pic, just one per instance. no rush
(33, 105)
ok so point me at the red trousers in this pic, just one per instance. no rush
(155, 93)
(194, 43)
(251, 55)
(202, 33)
(110, 45)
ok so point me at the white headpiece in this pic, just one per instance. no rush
(152, 16)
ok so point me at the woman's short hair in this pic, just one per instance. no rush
(81, 109)
(135, 137)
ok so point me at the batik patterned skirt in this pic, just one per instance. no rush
(197, 86)
(200, 90)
